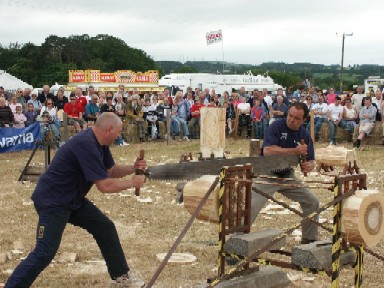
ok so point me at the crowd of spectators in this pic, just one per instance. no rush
(255, 110)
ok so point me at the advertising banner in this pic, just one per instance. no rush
(17, 139)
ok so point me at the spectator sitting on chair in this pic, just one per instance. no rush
(30, 114)
(367, 117)
(195, 120)
(349, 118)
(92, 111)
(257, 114)
(20, 118)
(108, 106)
(60, 100)
(134, 115)
(36, 103)
(6, 115)
(80, 99)
(52, 111)
(45, 94)
(13, 104)
(120, 106)
(335, 114)
(244, 109)
(230, 115)
(320, 114)
(74, 111)
(279, 109)
(180, 113)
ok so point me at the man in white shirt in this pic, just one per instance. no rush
(244, 116)
(335, 114)
(321, 114)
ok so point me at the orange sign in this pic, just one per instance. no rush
(107, 77)
(120, 76)
(76, 76)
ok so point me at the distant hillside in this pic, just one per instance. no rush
(322, 76)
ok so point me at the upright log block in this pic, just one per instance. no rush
(212, 132)
(362, 218)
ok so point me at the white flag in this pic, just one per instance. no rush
(214, 37)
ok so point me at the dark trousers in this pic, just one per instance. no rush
(50, 228)
(244, 120)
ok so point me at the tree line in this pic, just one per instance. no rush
(50, 62)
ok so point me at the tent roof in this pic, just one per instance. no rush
(11, 83)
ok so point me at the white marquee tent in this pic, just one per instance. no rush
(11, 83)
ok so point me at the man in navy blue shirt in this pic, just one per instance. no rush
(59, 198)
(283, 137)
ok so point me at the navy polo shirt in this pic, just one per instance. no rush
(280, 135)
(72, 172)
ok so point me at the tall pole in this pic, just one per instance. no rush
(222, 48)
(342, 62)
(342, 65)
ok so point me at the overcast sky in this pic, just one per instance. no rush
(253, 31)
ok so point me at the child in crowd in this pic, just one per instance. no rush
(20, 118)
(257, 115)
(30, 114)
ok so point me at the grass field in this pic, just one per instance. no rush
(146, 229)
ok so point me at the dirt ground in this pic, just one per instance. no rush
(147, 229)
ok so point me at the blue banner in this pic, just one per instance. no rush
(16, 139)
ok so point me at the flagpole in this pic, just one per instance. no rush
(222, 48)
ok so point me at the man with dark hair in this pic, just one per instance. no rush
(284, 137)
(60, 198)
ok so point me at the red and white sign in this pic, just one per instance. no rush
(214, 37)
(77, 76)
(107, 77)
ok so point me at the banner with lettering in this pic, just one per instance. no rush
(214, 37)
(17, 139)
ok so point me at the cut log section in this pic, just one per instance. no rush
(362, 218)
(334, 156)
(181, 258)
(195, 190)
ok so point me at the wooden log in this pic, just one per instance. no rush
(212, 132)
(362, 218)
(334, 156)
(194, 191)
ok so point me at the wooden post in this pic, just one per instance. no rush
(168, 128)
(312, 115)
(65, 126)
(254, 147)
(236, 124)
(212, 132)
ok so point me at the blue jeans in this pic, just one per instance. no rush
(265, 127)
(50, 228)
(175, 128)
(258, 126)
(348, 125)
(318, 123)
(332, 131)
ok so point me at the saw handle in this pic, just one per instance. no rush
(303, 158)
(139, 171)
